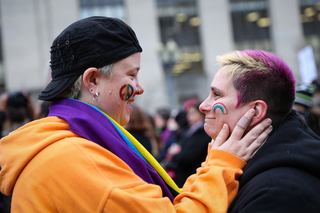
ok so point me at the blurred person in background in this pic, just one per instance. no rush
(42, 109)
(180, 119)
(140, 127)
(161, 118)
(189, 152)
(189, 103)
(15, 111)
(303, 104)
(178, 125)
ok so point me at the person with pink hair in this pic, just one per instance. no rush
(284, 174)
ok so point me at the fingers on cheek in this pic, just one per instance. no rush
(243, 122)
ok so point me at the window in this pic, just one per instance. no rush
(180, 48)
(110, 8)
(250, 23)
(310, 19)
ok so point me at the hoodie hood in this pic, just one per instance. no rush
(291, 144)
(20, 146)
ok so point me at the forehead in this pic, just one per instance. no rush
(131, 62)
(222, 81)
(222, 84)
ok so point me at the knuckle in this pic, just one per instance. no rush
(240, 126)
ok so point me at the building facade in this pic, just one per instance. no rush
(180, 39)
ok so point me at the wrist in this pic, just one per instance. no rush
(225, 159)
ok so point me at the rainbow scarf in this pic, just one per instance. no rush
(93, 124)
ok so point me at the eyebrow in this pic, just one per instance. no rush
(134, 69)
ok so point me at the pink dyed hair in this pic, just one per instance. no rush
(261, 75)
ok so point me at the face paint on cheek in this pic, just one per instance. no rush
(220, 106)
(126, 91)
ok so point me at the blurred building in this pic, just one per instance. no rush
(180, 38)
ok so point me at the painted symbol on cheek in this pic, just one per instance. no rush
(126, 92)
(220, 106)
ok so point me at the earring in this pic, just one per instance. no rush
(96, 98)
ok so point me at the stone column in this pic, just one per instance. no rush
(28, 29)
(216, 33)
(286, 32)
(142, 17)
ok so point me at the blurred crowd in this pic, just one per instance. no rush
(307, 104)
(17, 109)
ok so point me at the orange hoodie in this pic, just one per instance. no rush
(47, 168)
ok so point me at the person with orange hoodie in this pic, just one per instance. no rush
(81, 159)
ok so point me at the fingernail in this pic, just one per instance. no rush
(270, 128)
(224, 127)
(252, 111)
(269, 121)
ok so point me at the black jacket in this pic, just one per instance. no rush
(193, 153)
(284, 175)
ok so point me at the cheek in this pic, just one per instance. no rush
(235, 116)
(213, 128)
(124, 114)
(221, 119)
(219, 106)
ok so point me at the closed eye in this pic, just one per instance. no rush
(216, 93)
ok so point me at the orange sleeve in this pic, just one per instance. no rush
(211, 189)
(214, 186)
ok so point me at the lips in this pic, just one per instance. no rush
(209, 118)
(130, 100)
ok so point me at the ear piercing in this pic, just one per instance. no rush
(95, 97)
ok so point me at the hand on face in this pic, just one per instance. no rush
(243, 147)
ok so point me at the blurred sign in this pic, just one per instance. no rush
(307, 65)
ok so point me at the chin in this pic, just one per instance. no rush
(125, 121)
(210, 133)
(213, 134)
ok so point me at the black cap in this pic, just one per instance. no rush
(91, 42)
(304, 94)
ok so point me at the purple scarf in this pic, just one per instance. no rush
(93, 125)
